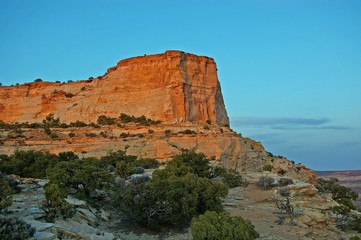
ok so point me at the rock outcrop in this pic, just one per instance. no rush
(172, 87)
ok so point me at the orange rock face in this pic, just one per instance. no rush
(173, 87)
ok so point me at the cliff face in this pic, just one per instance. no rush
(172, 87)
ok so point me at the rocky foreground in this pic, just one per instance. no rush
(312, 218)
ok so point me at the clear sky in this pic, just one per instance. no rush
(290, 70)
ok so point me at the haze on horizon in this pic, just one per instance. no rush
(290, 71)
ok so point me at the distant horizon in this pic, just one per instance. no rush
(289, 70)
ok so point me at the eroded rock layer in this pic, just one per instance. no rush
(172, 87)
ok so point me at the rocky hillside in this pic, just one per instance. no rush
(172, 87)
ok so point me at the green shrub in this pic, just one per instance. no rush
(55, 205)
(265, 182)
(81, 177)
(104, 120)
(71, 135)
(285, 181)
(282, 172)
(268, 168)
(233, 179)
(355, 238)
(69, 95)
(5, 194)
(187, 131)
(123, 169)
(146, 163)
(214, 226)
(171, 201)
(77, 124)
(12, 228)
(91, 135)
(341, 194)
(197, 161)
(29, 163)
(67, 156)
(218, 171)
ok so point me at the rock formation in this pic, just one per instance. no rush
(172, 87)
(180, 89)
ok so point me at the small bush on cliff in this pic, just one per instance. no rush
(233, 179)
(187, 131)
(265, 182)
(285, 182)
(213, 225)
(104, 120)
(12, 228)
(267, 168)
(341, 194)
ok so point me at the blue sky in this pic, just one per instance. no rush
(290, 70)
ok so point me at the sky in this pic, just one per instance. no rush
(290, 70)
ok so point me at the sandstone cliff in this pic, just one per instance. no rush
(172, 87)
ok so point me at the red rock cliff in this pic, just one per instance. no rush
(172, 87)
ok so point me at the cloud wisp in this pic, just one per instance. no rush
(285, 123)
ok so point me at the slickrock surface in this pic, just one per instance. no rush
(172, 87)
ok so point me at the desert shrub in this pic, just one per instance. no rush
(213, 226)
(55, 205)
(150, 131)
(80, 177)
(170, 201)
(283, 203)
(47, 131)
(342, 194)
(125, 118)
(187, 131)
(12, 228)
(124, 135)
(67, 156)
(104, 120)
(123, 169)
(137, 170)
(51, 121)
(218, 171)
(167, 132)
(77, 124)
(146, 163)
(71, 135)
(113, 157)
(91, 135)
(233, 179)
(29, 163)
(196, 161)
(5, 194)
(282, 172)
(139, 179)
(349, 222)
(355, 238)
(69, 95)
(285, 181)
(208, 122)
(265, 182)
(53, 135)
(268, 168)
(103, 134)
